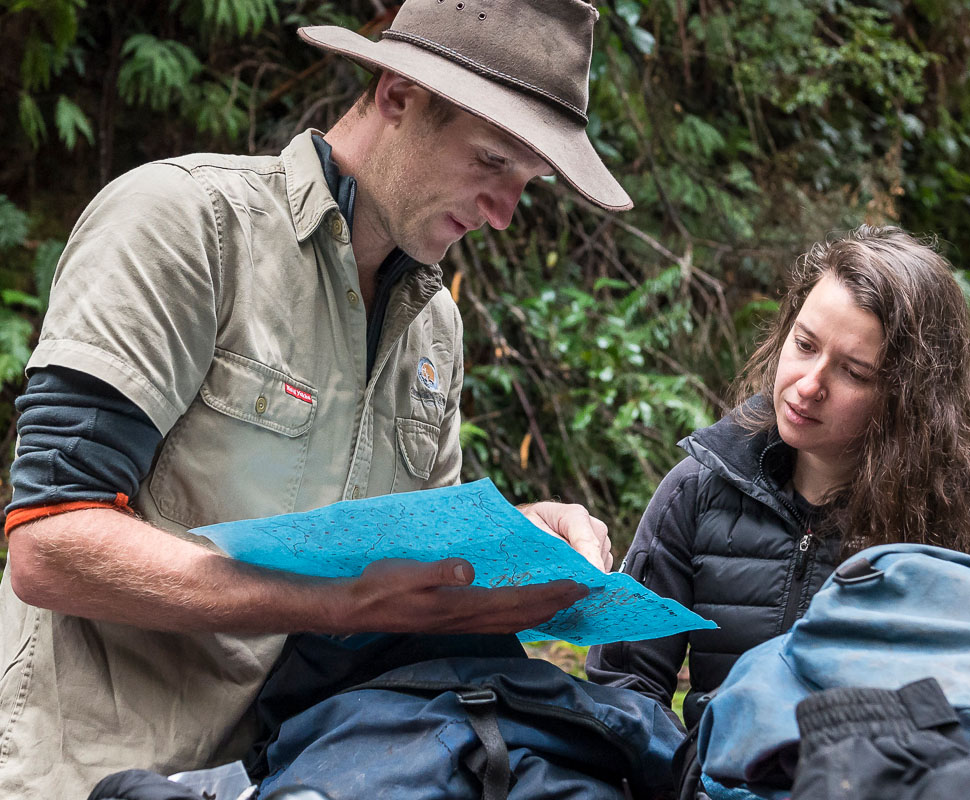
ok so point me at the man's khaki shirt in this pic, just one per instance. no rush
(219, 294)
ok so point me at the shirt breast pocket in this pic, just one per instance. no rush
(240, 449)
(417, 448)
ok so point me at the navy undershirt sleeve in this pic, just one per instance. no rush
(80, 440)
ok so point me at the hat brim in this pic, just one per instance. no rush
(557, 138)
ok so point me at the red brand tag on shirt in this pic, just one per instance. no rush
(299, 394)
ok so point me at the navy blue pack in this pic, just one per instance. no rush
(314, 667)
(426, 717)
(472, 727)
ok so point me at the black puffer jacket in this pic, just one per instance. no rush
(722, 536)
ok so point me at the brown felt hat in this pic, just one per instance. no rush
(522, 65)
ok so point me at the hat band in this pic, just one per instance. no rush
(481, 69)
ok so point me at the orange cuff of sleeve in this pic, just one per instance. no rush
(21, 515)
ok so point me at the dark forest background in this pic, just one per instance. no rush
(743, 129)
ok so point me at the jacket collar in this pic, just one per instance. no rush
(737, 451)
(758, 463)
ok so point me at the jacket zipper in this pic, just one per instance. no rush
(804, 552)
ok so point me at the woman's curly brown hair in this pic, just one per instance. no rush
(912, 481)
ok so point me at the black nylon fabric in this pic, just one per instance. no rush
(870, 744)
(141, 784)
(745, 546)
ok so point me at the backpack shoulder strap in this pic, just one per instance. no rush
(491, 762)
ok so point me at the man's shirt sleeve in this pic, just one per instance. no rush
(136, 293)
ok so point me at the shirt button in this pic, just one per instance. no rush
(260, 404)
(355, 494)
(352, 297)
(336, 226)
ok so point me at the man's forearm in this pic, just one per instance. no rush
(107, 565)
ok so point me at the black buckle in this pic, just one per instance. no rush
(477, 697)
(855, 572)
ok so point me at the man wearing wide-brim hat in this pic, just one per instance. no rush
(234, 337)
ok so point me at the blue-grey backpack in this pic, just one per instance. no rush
(888, 616)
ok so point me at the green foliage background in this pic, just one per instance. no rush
(743, 130)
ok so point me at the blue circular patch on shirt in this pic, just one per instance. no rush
(427, 374)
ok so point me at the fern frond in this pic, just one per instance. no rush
(229, 18)
(31, 120)
(155, 72)
(14, 224)
(70, 121)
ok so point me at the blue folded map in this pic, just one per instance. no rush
(471, 521)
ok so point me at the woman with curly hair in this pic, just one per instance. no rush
(852, 430)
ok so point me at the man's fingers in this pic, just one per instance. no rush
(537, 520)
(565, 592)
(408, 574)
(606, 548)
(508, 609)
(571, 522)
(401, 595)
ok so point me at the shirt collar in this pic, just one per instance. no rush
(342, 187)
(307, 192)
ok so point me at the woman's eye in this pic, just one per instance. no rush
(802, 345)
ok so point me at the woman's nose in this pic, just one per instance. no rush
(810, 386)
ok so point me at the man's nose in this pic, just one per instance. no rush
(497, 204)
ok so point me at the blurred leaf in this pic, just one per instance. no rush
(644, 41)
(467, 433)
(15, 336)
(629, 11)
(31, 120)
(14, 224)
(45, 262)
(71, 121)
(14, 297)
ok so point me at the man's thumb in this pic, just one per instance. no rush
(455, 572)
